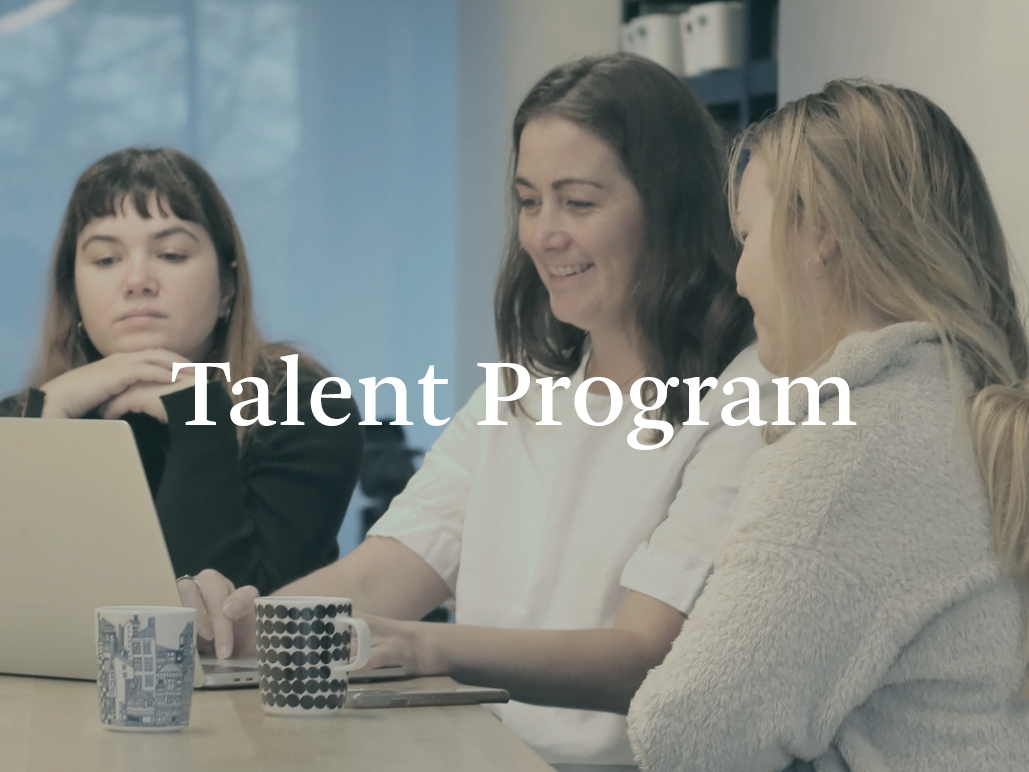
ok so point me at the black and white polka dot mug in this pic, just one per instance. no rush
(303, 653)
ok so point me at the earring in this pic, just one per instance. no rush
(81, 329)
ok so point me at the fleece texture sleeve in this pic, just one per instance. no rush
(853, 606)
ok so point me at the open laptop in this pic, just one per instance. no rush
(78, 530)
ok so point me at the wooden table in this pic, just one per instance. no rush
(49, 725)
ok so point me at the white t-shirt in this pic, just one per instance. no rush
(549, 527)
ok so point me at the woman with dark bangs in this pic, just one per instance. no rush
(150, 269)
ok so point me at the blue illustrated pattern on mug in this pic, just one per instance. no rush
(143, 684)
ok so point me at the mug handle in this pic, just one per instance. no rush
(364, 646)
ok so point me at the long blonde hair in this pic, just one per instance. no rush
(888, 174)
(168, 178)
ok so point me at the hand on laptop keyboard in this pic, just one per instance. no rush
(225, 615)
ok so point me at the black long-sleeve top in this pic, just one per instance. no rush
(265, 515)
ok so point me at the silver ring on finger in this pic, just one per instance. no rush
(193, 579)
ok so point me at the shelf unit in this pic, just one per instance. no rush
(739, 96)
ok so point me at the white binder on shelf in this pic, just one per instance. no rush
(711, 37)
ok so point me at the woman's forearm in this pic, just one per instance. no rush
(381, 577)
(596, 669)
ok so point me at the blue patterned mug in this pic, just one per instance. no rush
(145, 659)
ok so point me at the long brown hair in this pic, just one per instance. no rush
(168, 178)
(687, 312)
(889, 175)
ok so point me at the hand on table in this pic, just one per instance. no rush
(414, 646)
(226, 622)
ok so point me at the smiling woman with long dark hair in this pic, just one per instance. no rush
(150, 269)
(573, 557)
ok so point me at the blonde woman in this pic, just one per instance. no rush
(150, 269)
(868, 610)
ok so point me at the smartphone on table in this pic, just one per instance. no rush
(397, 698)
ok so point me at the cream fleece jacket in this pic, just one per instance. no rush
(856, 618)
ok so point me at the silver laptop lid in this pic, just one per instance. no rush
(78, 529)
